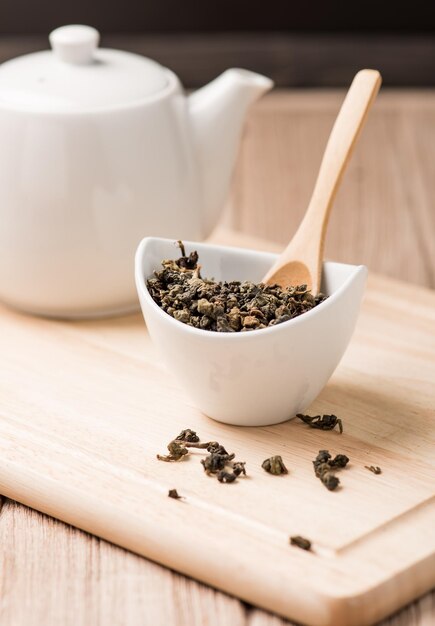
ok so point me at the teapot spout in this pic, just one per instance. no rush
(217, 112)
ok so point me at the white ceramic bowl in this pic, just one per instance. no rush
(263, 376)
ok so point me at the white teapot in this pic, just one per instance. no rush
(98, 149)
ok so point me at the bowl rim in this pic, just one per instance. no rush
(236, 336)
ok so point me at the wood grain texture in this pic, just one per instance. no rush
(87, 457)
(51, 573)
(384, 213)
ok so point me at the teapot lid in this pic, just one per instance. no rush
(76, 75)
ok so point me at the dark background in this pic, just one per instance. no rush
(303, 43)
(142, 16)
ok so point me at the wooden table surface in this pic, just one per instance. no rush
(52, 574)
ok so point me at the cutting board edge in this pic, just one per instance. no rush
(347, 609)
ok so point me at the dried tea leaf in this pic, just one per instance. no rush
(274, 465)
(199, 445)
(322, 457)
(233, 306)
(215, 462)
(176, 452)
(187, 262)
(374, 468)
(188, 435)
(226, 477)
(300, 542)
(322, 422)
(215, 446)
(239, 468)
(330, 480)
(173, 493)
(325, 466)
(340, 461)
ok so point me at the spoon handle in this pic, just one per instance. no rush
(307, 244)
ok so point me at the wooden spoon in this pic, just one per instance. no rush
(302, 260)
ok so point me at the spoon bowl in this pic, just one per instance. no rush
(259, 377)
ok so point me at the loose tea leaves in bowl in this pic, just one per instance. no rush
(234, 306)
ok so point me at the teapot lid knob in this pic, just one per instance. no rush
(75, 43)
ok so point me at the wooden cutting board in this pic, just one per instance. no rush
(85, 407)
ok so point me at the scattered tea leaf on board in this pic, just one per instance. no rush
(215, 462)
(216, 448)
(330, 480)
(325, 466)
(322, 422)
(300, 542)
(274, 465)
(200, 446)
(239, 468)
(373, 468)
(188, 435)
(226, 477)
(173, 493)
(339, 461)
(177, 451)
